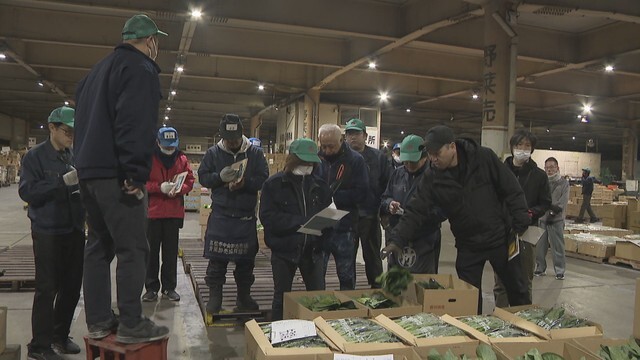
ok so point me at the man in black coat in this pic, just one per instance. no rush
(472, 187)
(535, 184)
(587, 192)
(368, 232)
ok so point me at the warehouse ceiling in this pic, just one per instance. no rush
(429, 56)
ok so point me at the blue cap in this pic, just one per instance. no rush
(255, 142)
(168, 137)
(396, 146)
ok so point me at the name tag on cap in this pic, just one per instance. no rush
(232, 127)
(169, 135)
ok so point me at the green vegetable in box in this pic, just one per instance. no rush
(432, 284)
(395, 280)
(553, 318)
(358, 330)
(376, 300)
(493, 326)
(308, 342)
(630, 350)
(534, 354)
(325, 302)
(483, 352)
(425, 325)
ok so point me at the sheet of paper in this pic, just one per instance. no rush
(533, 234)
(285, 330)
(514, 248)
(326, 218)
(178, 181)
(240, 167)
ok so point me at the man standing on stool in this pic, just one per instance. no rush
(49, 183)
(231, 229)
(115, 135)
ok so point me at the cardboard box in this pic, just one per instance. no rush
(3, 328)
(486, 339)
(633, 217)
(260, 348)
(617, 223)
(459, 298)
(570, 243)
(204, 215)
(628, 249)
(572, 210)
(636, 314)
(423, 342)
(593, 330)
(294, 310)
(395, 348)
(592, 345)
(407, 302)
(596, 249)
(613, 211)
(568, 351)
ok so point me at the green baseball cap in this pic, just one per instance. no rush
(305, 149)
(63, 115)
(411, 148)
(355, 124)
(140, 26)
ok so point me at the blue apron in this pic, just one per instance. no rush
(230, 238)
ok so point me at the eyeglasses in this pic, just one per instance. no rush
(66, 131)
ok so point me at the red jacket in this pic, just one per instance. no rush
(161, 206)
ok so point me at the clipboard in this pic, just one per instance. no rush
(178, 181)
(240, 167)
(326, 218)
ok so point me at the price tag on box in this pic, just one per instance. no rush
(285, 330)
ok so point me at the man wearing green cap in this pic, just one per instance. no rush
(49, 184)
(116, 116)
(422, 254)
(368, 231)
(287, 201)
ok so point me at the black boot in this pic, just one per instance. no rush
(245, 302)
(214, 305)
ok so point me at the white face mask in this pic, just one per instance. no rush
(303, 170)
(167, 151)
(521, 155)
(554, 177)
(153, 49)
(396, 158)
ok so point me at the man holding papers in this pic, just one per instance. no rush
(287, 201)
(170, 178)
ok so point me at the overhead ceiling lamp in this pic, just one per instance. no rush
(573, 138)
(385, 143)
(173, 92)
(261, 87)
(168, 108)
(41, 126)
(474, 94)
(372, 65)
(180, 68)
(196, 14)
(609, 68)
(587, 108)
(402, 132)
(66, 103)
(3, 56)
(584, 119)
(40, 83)
(408, 110)
(548, 129)
(166, 117)
(384, 96)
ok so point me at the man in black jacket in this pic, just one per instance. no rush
(116, 115)
(49, 184)
(346, 173)
(368, 232)
(535, 184)
(472, 187)
(587, 192)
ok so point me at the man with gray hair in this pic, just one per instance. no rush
(346, 173)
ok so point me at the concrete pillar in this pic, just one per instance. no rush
(629, 152)
(500, 52)
(255, 126)
(311, 106)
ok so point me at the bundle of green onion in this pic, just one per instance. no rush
(325, 302)
(553, 318)
(534, 354)
(493, 326)
(425, 325)
(308, 342)
(358, 330)
(483, 352)
(376, 300)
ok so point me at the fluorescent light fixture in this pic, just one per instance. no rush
(408, 110)
(196, 14)
(180, 68)
(372, 65)
(260, 87)
(609, 68)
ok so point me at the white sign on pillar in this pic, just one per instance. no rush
(372, 137)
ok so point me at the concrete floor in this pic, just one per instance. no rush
(601, 293)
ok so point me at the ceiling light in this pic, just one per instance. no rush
(584, 119)
(587, 108)
(573, 137)
(66, 103)
(260, 87)
(164, 125)
(408, 110)
(372, 65)
(579, 116)
(41, 126)
(385, 144)
(475, 96)
(402, 132)
(196, 14)
(384, 96)
(173, 92)
(180, 68)
(168, 108)
(548, 130)
(40, 83)
(550, 148)
(2, 56)
(609, 68)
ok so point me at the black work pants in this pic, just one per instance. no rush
(470, 265)
(58, 260)
(368, 234)
(162, 233)
(243, 273)
(283, 272)
(586, 206)
(117, 228)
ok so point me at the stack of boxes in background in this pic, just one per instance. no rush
(9, 167)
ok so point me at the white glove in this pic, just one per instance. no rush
(71, 177)
(166, 186)
(228, 174)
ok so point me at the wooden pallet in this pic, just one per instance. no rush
(261, 291)
(19, 268)
(585, 257)
(621, 261)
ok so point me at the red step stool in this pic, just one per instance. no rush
(109, 349)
